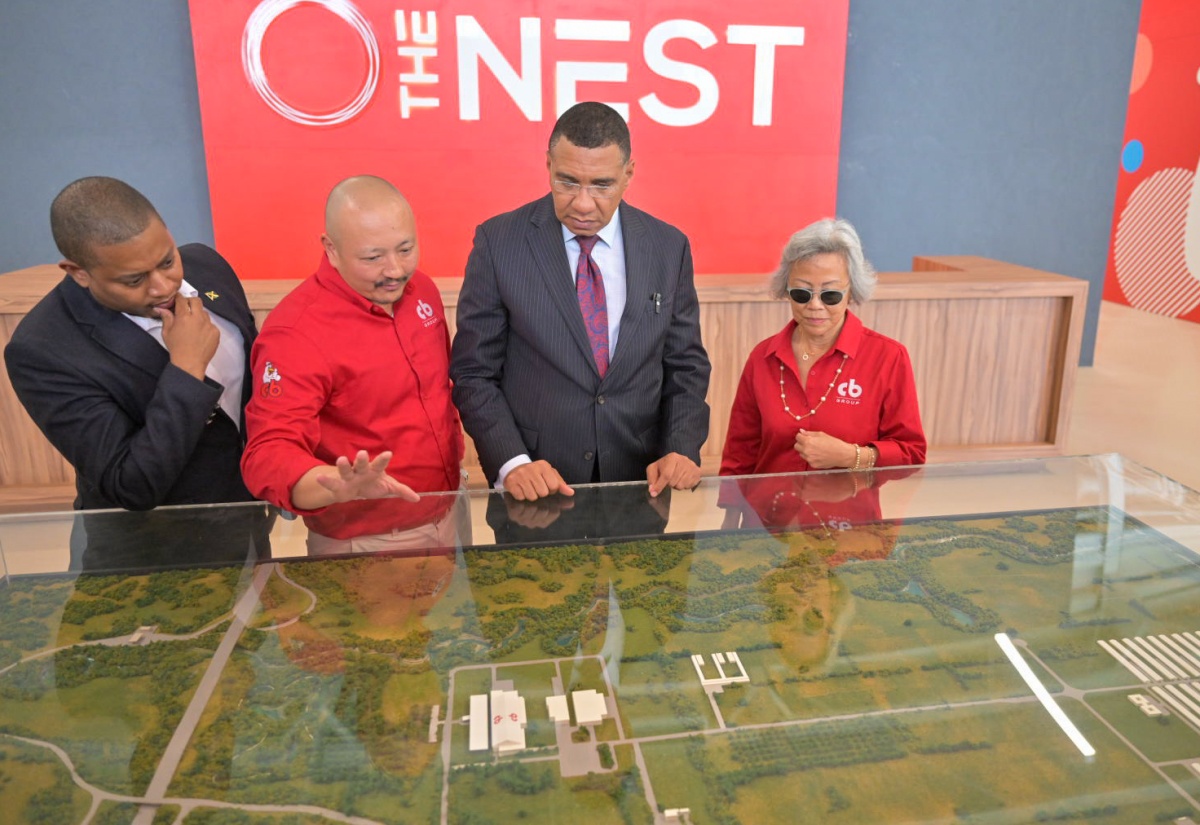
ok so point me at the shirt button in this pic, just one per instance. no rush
(600, 399)
(588, 455)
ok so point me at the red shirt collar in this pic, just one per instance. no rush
(329, 278)
(847, 342)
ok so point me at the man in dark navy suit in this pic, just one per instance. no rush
(578, 355)
(135, 365)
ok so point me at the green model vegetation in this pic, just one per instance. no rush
(865, 682)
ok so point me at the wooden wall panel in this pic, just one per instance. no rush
(994, 349)
(730, 330)
(964, 349)
(26, 457)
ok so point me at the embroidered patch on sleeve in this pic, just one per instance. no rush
(272, 382)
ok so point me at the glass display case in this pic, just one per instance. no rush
(1000, 642)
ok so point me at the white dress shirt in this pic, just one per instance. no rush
(228, 364)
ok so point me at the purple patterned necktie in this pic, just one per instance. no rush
(589, 286)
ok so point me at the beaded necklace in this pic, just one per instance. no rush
(824, 395)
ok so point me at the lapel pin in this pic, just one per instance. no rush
(212, 296)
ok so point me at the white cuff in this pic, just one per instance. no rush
(510, 465)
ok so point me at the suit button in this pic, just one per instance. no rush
(588, 456)
(600, 399)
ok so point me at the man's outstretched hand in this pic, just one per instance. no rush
(363, 478)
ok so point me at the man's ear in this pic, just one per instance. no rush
(330, 250)
(78, 274)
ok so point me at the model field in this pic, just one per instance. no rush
(818, 675)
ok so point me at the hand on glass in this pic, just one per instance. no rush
(537, 479)
(672, 470)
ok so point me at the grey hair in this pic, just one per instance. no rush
(836, 236)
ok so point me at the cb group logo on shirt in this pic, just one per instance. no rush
(849, 392)
(425, 313)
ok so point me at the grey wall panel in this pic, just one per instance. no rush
(97, 88)
(987, 128)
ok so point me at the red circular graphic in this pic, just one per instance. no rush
(1148, 252)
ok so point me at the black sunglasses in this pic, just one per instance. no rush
(829, 297)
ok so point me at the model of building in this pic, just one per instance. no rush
(508, 721)
(556, 707)
(590, 707)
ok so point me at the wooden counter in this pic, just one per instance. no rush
(994, 345)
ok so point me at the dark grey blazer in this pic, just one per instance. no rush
(139, 431)
(524, 377)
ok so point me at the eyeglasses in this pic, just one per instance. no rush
(829, 297)
(572, 188)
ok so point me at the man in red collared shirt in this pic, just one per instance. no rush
(352, 395)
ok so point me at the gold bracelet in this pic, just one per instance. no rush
(857, 457)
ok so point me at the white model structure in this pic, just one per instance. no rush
(433, 724)
(142, 634)
(678, 815)
(720, 661)
(478, 720)
(590, 707)
(556, 706)
(504, 725)
(1145, 705)
(1167, 664)
(508, 721)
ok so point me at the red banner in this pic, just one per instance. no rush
(735, 112)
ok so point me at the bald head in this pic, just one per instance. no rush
(358, 195)
(371, 238)
(97, 211)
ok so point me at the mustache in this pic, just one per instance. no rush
(382, 282)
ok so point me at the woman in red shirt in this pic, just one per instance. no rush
(825, 392)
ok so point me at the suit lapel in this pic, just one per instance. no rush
(550, 255)
(639, 257)
(217, 301)
(113, 331)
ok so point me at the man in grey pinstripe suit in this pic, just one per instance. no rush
(543, 414)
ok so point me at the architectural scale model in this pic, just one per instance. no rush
(997, 668)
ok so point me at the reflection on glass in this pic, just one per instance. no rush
(831, 657)
(382, 525)
(596, 511)
(115, 540)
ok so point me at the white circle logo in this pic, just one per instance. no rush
(252, 39)
(850, 388)
(424, 311)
